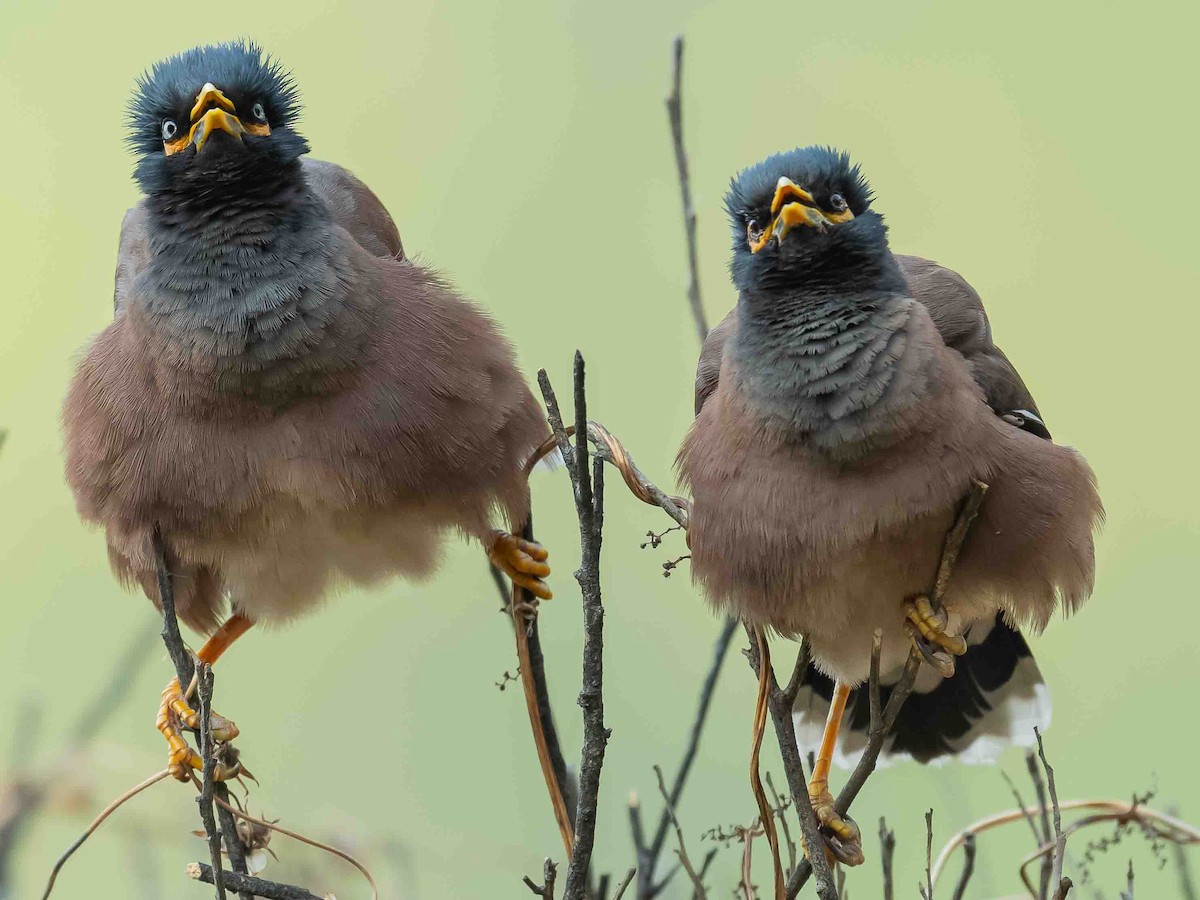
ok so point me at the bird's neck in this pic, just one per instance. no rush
(834, 370)
(248, 281)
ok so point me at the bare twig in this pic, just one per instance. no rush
(927, 888)
(1166, 827)
(675, 114)
(549, 876)
(960, 890)
(588, 490)
(1039, 788)
(1024, 809)
(97, 822)
(1187, 885)
(1060, 838)
(648, 855)
(780, 707)
(780, 810)
(887, 851)
(204, 692)
(249, 885)
(1127, 894)
(184, 670)
(765, 814)
(624, 884)
(681, 852)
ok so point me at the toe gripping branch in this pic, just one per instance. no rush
(174, 714)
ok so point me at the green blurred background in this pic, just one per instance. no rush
(523, 148)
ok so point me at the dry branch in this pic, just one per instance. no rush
(588, 491)
(185, 669)
(675, 114)
(887, 852)
(249, 886)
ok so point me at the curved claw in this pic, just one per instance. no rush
(523, 561)
(843, 839)
(927, 629)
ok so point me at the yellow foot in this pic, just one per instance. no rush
(523, 561)
(843, 840)
(927, 628)
(174, 712)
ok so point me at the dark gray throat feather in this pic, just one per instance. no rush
(834, 371)
(249, 285)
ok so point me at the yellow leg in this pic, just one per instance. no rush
(845, 840)
(927, 628)
(521, 560)
(174, 711)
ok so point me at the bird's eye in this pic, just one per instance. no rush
(258, 112)
(169, 129)
(837, 203)
(753, 232)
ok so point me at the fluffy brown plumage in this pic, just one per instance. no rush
(292, 401)
(840, 422)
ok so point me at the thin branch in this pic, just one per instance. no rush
(927, 888)
(960, 890)
(1187, 885)
(675, 114)
(1166, 827)
(1024, 809)
(684, 860)
(887, 851)
(648, 856)
(588, 490)
(793, 766)
(204, 692)
(96, 823)
(624, 884)
(765, 814)
(1060, 839)
(1039, 788)
(1127, 894)
(185, 668)
(549, 876)
(781, 809)
(250, 886)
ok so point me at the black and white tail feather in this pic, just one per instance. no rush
(994, 700)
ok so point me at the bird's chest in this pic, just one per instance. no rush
(784, 535)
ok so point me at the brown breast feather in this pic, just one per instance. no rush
(427, 429)
(804, 544)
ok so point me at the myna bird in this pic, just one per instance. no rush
(291, 402)
(844, 409)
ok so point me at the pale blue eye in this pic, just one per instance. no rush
(258, 112)
(169, 129)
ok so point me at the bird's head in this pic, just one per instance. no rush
(212, 119)
(803, 217)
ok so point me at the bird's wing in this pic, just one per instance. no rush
(354, 207)
(708, 369)
(958, 313)
(132, 254)
(959, 316)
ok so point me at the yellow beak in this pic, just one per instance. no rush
(213, 112)
(792, 205)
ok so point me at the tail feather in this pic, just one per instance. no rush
(995, 699)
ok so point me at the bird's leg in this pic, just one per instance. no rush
(843, 837)
(521, 560)
(174, 711)
(927, 628)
